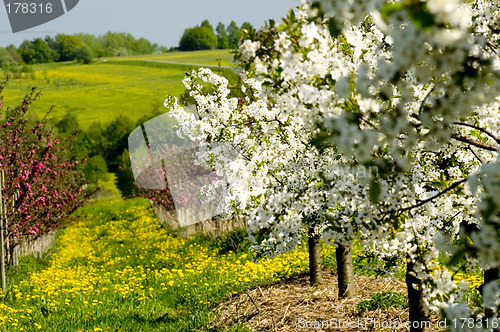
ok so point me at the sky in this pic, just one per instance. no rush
(159, 21)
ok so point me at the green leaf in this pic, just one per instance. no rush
(441, 183)
(396, 224)
(282, 27)
(335, 31)
(390, 9)
(457, 256)
(374, 191)
(423, 19)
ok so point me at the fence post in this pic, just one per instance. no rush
(7, 250)
(15, 251)
(2, 229)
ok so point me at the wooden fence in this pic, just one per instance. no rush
(32, 247)
(181, 218)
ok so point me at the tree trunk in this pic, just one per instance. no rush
(2, 256)
(345, 271)
(419, 313)
(12, 255)
(314, 257)
(7, 250)
(489, 275)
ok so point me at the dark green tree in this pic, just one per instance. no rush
(65, 46)
(125, 181)
(111, 141)
(189, 40)
(83, 54)
(94, 136)
(37, 51)
(27, 52)
(233, 35)
(198, 38)
(95, 170)
(68, 124)
(247, 29)
(222, 42)
(115, 140)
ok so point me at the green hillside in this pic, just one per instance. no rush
(196, 57)
(112, 86)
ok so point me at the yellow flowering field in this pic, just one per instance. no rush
(118, 269)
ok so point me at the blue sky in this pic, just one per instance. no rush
(160, 21)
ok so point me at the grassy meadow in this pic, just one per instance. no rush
(118, 269)
(100, 91)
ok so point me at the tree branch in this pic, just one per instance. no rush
(476, 155)
(425, 201)
(439, 194)
(493, 48)
(478, 128)
(422, 104)
(474, 142)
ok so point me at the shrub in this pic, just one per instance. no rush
(231, 241)
(83, 54)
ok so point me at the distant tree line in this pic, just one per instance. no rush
(81, 47)
(84, 47)
(204, 37)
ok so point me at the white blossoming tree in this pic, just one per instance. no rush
(408, 87)
(422, 77)
(434, 84)
(309, 75)
(268, 167)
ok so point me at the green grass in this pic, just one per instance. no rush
(133, 86)
(195, 57)
(27, 266)
(383, 301)
(113, 269)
